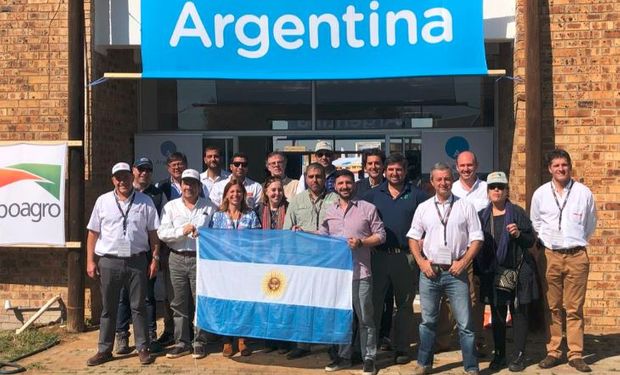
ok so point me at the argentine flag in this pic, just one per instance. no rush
(274, 284)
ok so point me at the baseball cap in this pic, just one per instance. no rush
(143, 162)
(190, 173)
(323, 145)
(120, 167)
(497, 178)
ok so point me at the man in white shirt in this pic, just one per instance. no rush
(214, 172)
(452, 238)
(564, 216)
(239, 168)
(472, 189)
(122, 227)
(180, 220)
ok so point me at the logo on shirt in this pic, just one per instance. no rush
(274, 284)
(46, 176)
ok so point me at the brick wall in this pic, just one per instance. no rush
(581, 96)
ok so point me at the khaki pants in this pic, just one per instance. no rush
(446, 326)
(566, 279)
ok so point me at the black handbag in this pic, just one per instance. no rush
(506, 279)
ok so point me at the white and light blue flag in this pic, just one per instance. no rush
(274, 284)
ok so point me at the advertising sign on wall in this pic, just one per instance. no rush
(444, 146)
(32, 194)
(323, 39)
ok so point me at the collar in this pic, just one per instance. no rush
(321, 196)
(473, 187)
(450, 199)
(133, 192)
(565, 188)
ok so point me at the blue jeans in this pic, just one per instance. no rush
(456, 288)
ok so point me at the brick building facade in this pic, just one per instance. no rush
(581, 96)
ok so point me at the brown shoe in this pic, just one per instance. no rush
(227, 351)
(243, 348)
(98, 359)
(549, 362)
(579, 365)
(145, 357)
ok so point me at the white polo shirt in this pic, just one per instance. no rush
(208, 182)
(254, 192)
(107, 220)
(462, 228)
(176, 215)
(578, 217)
(478, 195)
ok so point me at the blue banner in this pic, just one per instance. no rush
(319, 39)
(274, 284)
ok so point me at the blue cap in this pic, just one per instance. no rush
(143, 162)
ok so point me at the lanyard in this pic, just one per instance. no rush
(570, 188)
(444, 219)
(125, 214)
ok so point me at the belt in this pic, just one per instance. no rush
(437, 268)
(110, 256)
(570, 250)
(191, 254)
(392, 250)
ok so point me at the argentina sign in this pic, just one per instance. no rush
(311, 39)
(32, 194)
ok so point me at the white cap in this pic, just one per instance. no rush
(497, 178)
(323, 145)
(119, 167)
(191, 173)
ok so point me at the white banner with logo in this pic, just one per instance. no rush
(32, 194)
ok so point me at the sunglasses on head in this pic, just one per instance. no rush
(497, 186)
(321, 154)
(239, 164)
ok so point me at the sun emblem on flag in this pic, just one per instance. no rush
(274, 284)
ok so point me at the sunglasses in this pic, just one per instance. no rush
(239, 164)
(497, 186)
(142, 169)
(321, 154)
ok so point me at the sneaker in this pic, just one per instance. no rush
(338, 364)
(178, 351)
(145, 357)
(98, 359)
(166, 339)
(122, 343)
(369, 367)
(199, 352)
(518, 362)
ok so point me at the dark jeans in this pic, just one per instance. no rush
(124, 310)
(388, 311)
(519, 327)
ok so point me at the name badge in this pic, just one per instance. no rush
(443, 256)
(123, 248)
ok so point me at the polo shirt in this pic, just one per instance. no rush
(362, 186)
(176, 215)
(396, 213)
(359, 220)
(462, 227)
(477, 195)
(303, 213)
(107, 220)
(254, 192)
(578, 216)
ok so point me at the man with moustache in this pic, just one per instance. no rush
(306, 212)
(392, 263)
(122, 228)
(563, 214)
(180, 221)
(324, 155)
(275, 162)
(358, 222)
(239, 168)
(452, 237)
(214, 172)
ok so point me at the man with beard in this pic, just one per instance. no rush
(214, 172)
(239, 168)
(324, 155)
(276, 165)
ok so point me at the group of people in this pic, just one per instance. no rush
(462, 246)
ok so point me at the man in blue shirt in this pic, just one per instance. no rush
(392, 263)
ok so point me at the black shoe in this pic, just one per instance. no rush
(356, 359)
(549, 362)
(386, 344)
(166, 339)
(402, 358)
(199, 351)
(178, 351)
(579, 365)
(518, 362)
(155, 347)
(338, 364)
(369, 367)
(122, 343)
(498, 363)
(145, 357)
(297, 353)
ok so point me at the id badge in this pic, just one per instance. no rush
(123, 248)
(443, 256)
